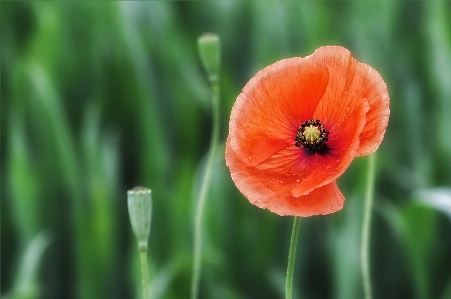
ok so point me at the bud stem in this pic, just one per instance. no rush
(209, 51)
(144, 272)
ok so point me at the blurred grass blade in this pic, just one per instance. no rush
(22, 179)
(52, 105)
(414, 226)
(436, 198)
(25, 285)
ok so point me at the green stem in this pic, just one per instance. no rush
(144, 273)
(203, 193)
(291, 258)
(366, 227)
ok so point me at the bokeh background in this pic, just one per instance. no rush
(98, 97)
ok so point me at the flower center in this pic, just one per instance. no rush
(312, 135)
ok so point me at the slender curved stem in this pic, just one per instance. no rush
(291, 258)
(144, 273)
(366, 227)
(203, 193)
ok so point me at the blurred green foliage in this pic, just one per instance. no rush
(98, 97)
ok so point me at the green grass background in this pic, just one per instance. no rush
(98, 97)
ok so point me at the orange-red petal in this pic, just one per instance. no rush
(272, 105)
(352, 81)
(273, 191)
(377, 117)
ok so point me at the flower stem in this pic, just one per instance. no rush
(366, 227)
(203, 193)
(144, 273)
(291, 258)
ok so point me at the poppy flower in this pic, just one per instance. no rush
(298, 124)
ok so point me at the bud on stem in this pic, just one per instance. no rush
(140, 210)
(210, 53)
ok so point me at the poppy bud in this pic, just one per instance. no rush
(140, 210)
(209, 51)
